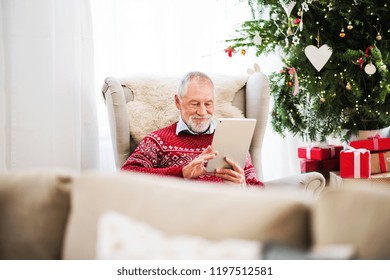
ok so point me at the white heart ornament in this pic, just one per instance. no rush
(318, 56)
(370, 68)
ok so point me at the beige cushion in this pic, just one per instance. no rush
(34, 207)
(178, 207)
(356, 216)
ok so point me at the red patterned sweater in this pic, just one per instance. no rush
(164, 153)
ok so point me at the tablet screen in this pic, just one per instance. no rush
(232, 139)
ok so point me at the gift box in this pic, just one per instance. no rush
(375, 180)
(372, 144)
(355, 163)
(380, 162)
(320, 153)
(322, 166)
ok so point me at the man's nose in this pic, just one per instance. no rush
(202, 110)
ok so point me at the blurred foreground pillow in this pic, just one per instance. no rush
(121, 237)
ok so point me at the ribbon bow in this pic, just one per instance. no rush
(360, 62)
(375, 136)
(375, 140)
(230, 50)
(367, 50)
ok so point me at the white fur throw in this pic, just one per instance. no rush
(153, 106)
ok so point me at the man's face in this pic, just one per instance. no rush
(197, 106)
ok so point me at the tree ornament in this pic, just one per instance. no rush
(322, 99)
(290, 84)
(257, 39)
(370, 68)
(305, 5)
(359, 62)
(289, 31)
(293, 72)
(243, 52)
(300, 13)
(350, 26)
(378, 36)
(348, 86)
(288, 7)
(296, 21)
(295, 40)
(230, 50)
(318, 56)
(383, 67)
(342, 33)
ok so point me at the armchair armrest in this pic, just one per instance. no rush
(115, 100)
(312, 183)
(257, 107)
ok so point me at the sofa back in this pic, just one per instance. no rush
(179, 207)
(34, 207)
(53, 215)
(358, 216)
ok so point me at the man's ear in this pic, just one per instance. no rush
(177, 102)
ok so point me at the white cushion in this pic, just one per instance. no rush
(121, 237)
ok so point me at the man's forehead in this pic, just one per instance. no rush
(199, 94)
(201, 98)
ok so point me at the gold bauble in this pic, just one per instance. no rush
(350, 26)
(243, 52)
(348, 86)
(342, 33)
(378, 37)
(322, 99)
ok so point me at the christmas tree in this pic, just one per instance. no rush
(335, 80)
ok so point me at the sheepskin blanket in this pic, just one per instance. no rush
(153, 106)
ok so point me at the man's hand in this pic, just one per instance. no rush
(235, 175)
(196, 167)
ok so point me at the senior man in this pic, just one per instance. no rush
(183, 148)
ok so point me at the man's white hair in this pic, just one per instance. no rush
(183, 84)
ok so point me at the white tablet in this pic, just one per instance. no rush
(232, 139)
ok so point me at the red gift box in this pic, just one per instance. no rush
(355, 163)
(322, 166)
(309, 165)
(320, 153)
(380, 162)
(372, 144)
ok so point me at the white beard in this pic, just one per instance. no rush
(199, 127)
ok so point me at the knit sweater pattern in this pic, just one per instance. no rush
(162, 152)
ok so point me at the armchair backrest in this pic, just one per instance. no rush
(138, 105)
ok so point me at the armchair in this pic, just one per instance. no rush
(138, 105)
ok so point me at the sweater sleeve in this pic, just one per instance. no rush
(145, 159)
(250, 174)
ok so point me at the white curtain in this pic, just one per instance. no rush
(47, 94)
(3, 106)
(173, 37)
